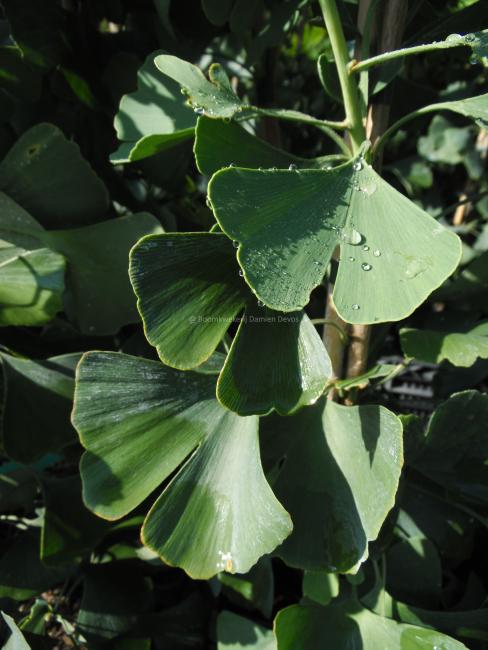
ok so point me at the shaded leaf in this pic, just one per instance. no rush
(217, 11)
(465, 624)
(348, 625)
(461, 349)
(152, 118)
(188, 291)
(106, 245)
(252, 590)
(353, 457)
(276, 361)
(320, 586)
(288, 224)
(22, 574)
(456, 462)
(69, 530)
(32, 276)
(37, 405)
(237, 633)
(139, 420)
(46, 174)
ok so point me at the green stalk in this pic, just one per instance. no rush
(360, 66)
(349, 88)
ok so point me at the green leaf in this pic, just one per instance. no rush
(22, 574)
(153, 118)
(348, 625)
(214, 97)
(238, 633)
(276, 361)
(353, 457)
(217, 11)
(106, 245)
(115, 595)
(11, 637)
(139, 420)
(252, 590)
(458, 463)
(221, 144)
(69, 530)
(46, 174)
(37, 405)
(471, 624)
(461, 349)
(445, 143)
(320, 586)
(288, 224)
(189, 292)
(414, 571)
(31, 275)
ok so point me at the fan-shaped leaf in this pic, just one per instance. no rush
(461, 349)
(288, 223)
(214, 97)
(138, 421)
(353, 458)
(349, 625)
(46, 174)
(152, 118)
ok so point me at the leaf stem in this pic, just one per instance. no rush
(349, 88)
(379, 59)
(431, 108)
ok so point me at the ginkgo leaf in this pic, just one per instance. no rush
(475, 108)
(47, 175)
(460, 348)
(348, 625)
(213, 97)
(189, 293)
(288, 224)
(275, 361)
(152, 118)
(139, 420)
(353, 458)
(221, 144)
(31, 274)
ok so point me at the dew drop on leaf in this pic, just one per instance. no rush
(470, 38)
(355, 307)
(235, 244)
(366, 267)
(377, 253)
(260, 303)
(452, 38)
(365, 247)
(352, 259)
(241, 273)
(199, 110)
(358, 165)
(351, 236)
(292, 167)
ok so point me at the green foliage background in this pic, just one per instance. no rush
(176, 202)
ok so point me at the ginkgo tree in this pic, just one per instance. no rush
(242, 432)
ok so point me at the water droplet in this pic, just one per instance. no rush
(355, 307)
(351, 236)
(273, 169)
(241, 273)
(184, 91)
(377, 253)
(260, 169)
(365, 247)
(235, 244)
(317, 263)
(231, 165)
(452, 38)
(292, 167)
(474, 59)
(199, 110)
(366, 267)
(351, 259)
(208, 202)
(260, 303)
(470, 38)
(358, 165)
